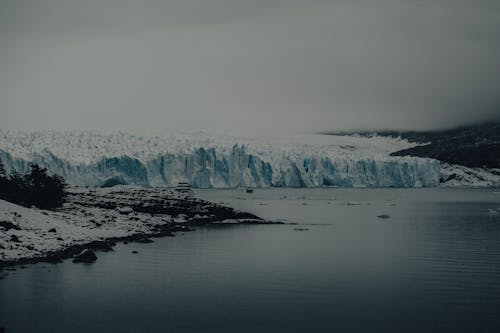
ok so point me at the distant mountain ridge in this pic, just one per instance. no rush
(472, 146)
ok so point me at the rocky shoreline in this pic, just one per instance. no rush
(105, 218)
(107, 245)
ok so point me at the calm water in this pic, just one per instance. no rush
(433, 266)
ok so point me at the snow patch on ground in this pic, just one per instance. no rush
(458, 175)
(96, 214)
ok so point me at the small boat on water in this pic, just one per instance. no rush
(249, 190)
(184, 187)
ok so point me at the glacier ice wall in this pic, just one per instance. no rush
(239, 166)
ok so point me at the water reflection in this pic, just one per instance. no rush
(434, 265)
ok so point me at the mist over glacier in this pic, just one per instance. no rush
(206, 161)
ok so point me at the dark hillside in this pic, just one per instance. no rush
(471, 146)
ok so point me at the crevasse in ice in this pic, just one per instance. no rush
(84, 158)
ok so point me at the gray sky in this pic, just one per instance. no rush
(248, 66)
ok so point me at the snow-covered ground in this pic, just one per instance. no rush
(98, 214)
(307, 160)
(458, 175)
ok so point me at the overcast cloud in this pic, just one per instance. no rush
(248, 66)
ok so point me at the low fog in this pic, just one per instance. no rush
(240, 66)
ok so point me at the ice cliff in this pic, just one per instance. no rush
(92, 158)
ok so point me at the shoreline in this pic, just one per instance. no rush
(95, 219)
(108, 244)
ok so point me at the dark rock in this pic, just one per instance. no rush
(52, 230)
(300, 229)
(104, 246)
(86, 256)
(135, 252)
(8, 225)
(15, 239)
(53, 259)
(384, 216)
(59, 239)
(144, 240)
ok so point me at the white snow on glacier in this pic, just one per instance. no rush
(91, 158)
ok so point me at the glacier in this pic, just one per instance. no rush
(207, 161)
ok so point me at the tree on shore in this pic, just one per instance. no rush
(3, 179)
(37, 188)
(2, 170)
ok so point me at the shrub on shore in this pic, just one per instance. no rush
(37, 188)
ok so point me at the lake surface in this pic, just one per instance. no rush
(432, 266)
